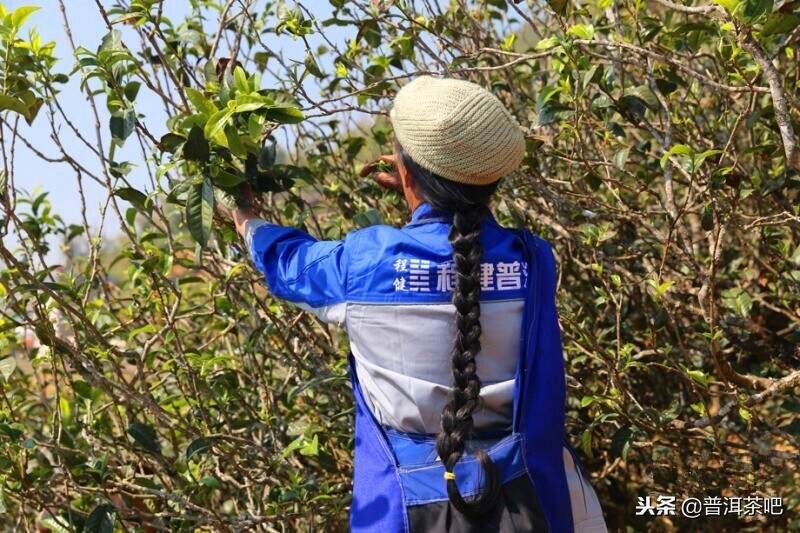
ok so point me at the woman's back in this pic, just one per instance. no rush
(400, 320)
(392, 289)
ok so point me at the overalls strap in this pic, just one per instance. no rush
(540, 387)
(378, 502)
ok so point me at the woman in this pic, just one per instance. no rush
(456, 357)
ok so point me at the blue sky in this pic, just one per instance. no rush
(88, 29)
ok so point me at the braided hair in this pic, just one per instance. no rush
(469, 206)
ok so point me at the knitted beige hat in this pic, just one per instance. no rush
(457, 129)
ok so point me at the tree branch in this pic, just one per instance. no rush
(778, 94)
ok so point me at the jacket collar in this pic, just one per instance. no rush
(425, 213)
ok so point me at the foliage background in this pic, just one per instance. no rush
(149, 382)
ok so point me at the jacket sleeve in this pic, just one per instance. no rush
(299, 268)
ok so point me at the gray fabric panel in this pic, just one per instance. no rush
(402, 355)
(587, 516)
(334, 314)
(250, 228)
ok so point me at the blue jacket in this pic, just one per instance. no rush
(391, 289)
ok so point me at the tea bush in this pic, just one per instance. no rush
(150, 382)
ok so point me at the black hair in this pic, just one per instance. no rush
(468, 205)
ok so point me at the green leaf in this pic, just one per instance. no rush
(120, 169)
(604, 102)
(663, 287)
(288, 174)
(226, 179)
(240, 80)
(196, 147)
(353, 146)
(368, 218)
(707, 220)
(589, 75)
(581, 31)
(266, 156)
(586, 442)
(311, 447)
(101, 520)
(210, 482)
(645, 94)
(285, 115)
(199, 445)
(235, 142)
(170, 142)
(132, 90)
(305, 446)
(217, 122)
(621, 442)
(134, 19)
(250, 102)
(21, 14)
(549, 42)
(51, 524)
(111, 41)
(84, 390)
(370, 31)
(225, 199)
(633, 105)
(729, 5)
(752, 10)
(621, 157)
(547, 94)
(145, 436)
(122, 126)
(255, 126)
(200, 211)
(294, 445)
(7, 367)
(559, 6)
(554, 112)
(32, 105)
(702, 156)
(666, 86)
(699, 408)
(678, 149)
(135, 197)
(698, 375)
(780, 23)
(312, 67)
(792, 428)
(245, 105)
(199, 101)
(12, 431)
(737, 300)
(12, 104)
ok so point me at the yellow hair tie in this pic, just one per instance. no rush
(449, 475)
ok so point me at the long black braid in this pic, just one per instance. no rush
(469, 206)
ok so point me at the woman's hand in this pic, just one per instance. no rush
(385, 173)
(244, 212)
